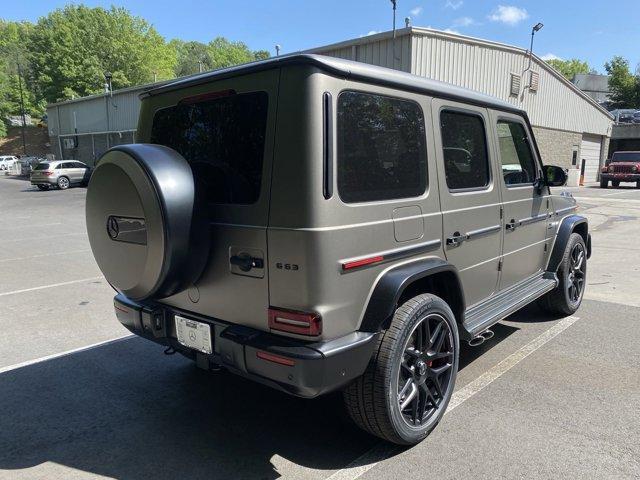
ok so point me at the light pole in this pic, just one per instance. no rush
(536, 28)
(394, 3)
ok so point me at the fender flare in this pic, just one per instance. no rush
(387, 292)
(567, 226)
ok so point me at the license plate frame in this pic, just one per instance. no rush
(194, 334)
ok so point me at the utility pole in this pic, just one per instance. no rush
(24, 120)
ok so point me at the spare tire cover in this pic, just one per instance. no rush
(139, 208)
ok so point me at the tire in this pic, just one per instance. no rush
(63, 183)
(43, 187)
(604, 183)
(615, 183)
(374, 400)
(561, 300)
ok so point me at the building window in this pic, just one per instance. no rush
(515, 85)
(382, 153)
(464, 145)
(518, 164)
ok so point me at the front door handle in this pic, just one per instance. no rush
(511, 226)
(456, 239)
(246, 262)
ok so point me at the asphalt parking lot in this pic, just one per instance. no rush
(545, 398)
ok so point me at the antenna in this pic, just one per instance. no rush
(278, 47)
(407, 22)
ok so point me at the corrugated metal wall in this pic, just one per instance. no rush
(380, 49)
(91, 114)
(487, 68)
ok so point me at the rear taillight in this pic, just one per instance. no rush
(47, 174)
(291, 321)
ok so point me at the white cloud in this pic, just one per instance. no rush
(464, 22)
(416, 11)
(451, 30)
(453, 4)
(371, 32)
(508, 14)
(550, 56)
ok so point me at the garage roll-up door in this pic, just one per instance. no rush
(590, 151)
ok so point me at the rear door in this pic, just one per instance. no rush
(469, 196)
(225, 131)
(525, 205)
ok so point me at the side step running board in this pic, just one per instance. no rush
(482, 316)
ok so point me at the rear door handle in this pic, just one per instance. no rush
(456, 239)
(246, 262)
(511, 226)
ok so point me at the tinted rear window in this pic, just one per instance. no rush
(626, 157)
(223, 141)
(41, 166)
(382, 151)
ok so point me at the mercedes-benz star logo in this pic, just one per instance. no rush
(113, 229)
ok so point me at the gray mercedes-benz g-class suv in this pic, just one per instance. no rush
(317, 224)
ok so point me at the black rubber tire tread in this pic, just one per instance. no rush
(604, 183)
(615, 183)
(365, 397)
(555, 302)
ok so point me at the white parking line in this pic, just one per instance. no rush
(33, 225)
(63, 354)
(68, 252)
(381, 451)
(53, 285)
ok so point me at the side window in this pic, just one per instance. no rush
(464, 145)
(382, 153)
(518, 164)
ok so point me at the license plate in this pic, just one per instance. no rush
(192, 334)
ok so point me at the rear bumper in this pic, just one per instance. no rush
(318, 367)
(622, 177)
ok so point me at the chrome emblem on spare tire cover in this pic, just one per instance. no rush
(112, 228)
(127, 229)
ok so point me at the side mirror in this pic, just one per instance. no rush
(554, 176)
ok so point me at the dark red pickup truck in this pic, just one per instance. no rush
(622, 167)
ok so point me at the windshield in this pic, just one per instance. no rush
(626, 157)
(41, 166)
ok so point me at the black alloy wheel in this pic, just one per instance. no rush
(426, 369)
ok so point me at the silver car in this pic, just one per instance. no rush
(60, 173)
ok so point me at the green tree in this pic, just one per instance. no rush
(192, 57)
(624, 86)
(72, 47)
(15, 71)
(569, 68)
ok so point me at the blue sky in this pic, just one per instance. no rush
(587, 29)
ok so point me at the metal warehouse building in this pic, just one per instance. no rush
(569, 125)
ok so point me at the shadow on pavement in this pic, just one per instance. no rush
(125, 410)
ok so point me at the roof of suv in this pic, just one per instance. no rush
(347, 69)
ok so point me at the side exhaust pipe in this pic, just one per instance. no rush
(481, 338)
